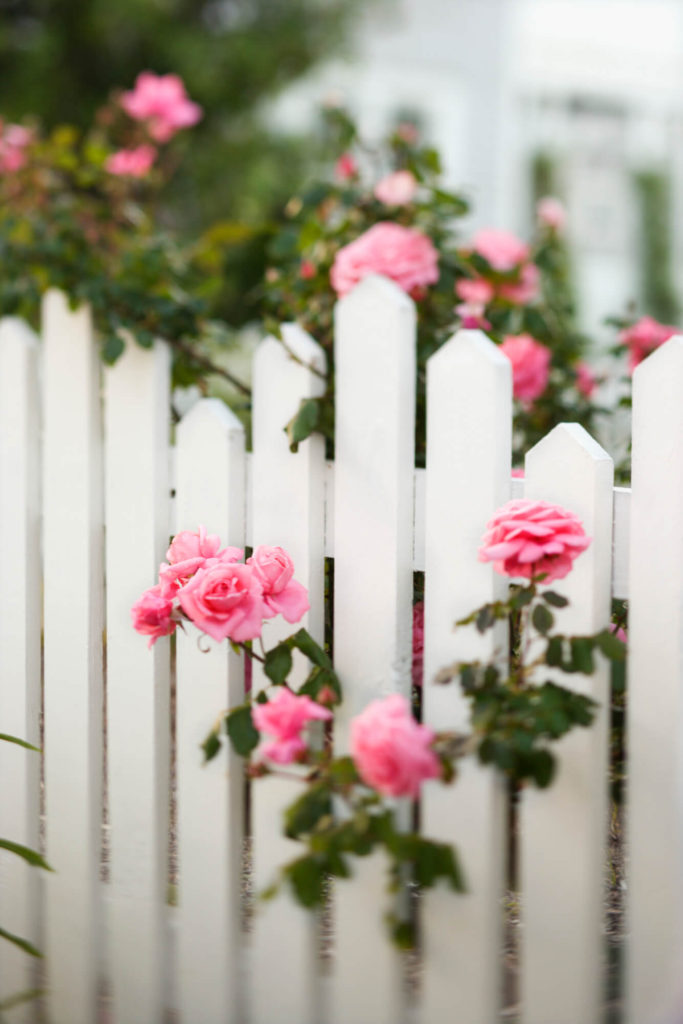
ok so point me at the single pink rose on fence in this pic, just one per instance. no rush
(152, 615)
(404, 254)
(162, 102)
(530, 366)
(391, 750)
(643, 337)
(284, 717)
(396, 189)
(132, 163)
(282, 595)
(527, 538)
(225, 600)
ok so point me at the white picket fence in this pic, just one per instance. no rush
(90, 490)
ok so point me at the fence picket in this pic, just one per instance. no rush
(210, 473)
(655, 692)
(288, 511)
(136, 432)
(373, 585)
(563, 832)
(73, 614)
(469, 406)
(20, 616)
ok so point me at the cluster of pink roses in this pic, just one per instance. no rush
(512, 276)
(223, 596)
(161, 103)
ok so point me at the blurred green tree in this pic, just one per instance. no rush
(62, 58)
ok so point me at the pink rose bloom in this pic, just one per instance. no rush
(224, 599)
(403, 254)
(586, 381)
(530, 366)
(526, 538)
(644, 337)
(133, 163)
(282, 595)
(14, 139)
(518, 474)
(551, 213)
(162, 102)
(391, 750)
(472, 316)
(418, 642)
(502, 250)
(152, 615)
(198, 544)
(474, 291)
(396, 189)
(284, 717)
(621, 635)
(346, 167)
(523, 291)
(306, 270)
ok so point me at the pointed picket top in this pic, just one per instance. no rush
(210, 414)
(668, 358)
(471, 346)
(374, 291)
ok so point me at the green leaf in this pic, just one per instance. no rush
(522, 598)
(30, 856)
(610, 645)
(554, 654)
(21, 743)
(318, 680)
(112, 347)
(307, 879)
(343, 771)
(542, 618)
(211, 745)
(21, 943)
(305, 643)
(556, 600)
(304, 814)
(403, 933)
(303, 423)
(278, 663)
(240, 728)
(582, 654)
(485, 618)
(543, 768)
(21, 997)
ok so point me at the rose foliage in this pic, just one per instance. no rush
(347, 804)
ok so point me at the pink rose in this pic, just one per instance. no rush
(306, 270)
(530, 366)
(403, 254)
(162, 102)
(199, 544)
(132, 163)
(474, 291)
(391, 750)
(396, 189)
(152, 615)
(14, 140)
(418, 642)
(586, 381)
(346, 167)
(502, 250)
(224, 599)
(281, 594)
(621, 635)
(644, 337)
(518, 474)
(551, 213)
(284, 716)
(522, 291)
(526, 538)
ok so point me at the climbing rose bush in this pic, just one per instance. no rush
(526, 538)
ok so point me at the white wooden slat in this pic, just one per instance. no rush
(288, 511)
(469, 407)
(564, 829)
(20, 620)
(137, 400)
(73, 616)
(655, 692)
(375, 417)
(210, 492)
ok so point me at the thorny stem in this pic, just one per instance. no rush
(208, 364)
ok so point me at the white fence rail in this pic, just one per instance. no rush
(125, 939)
